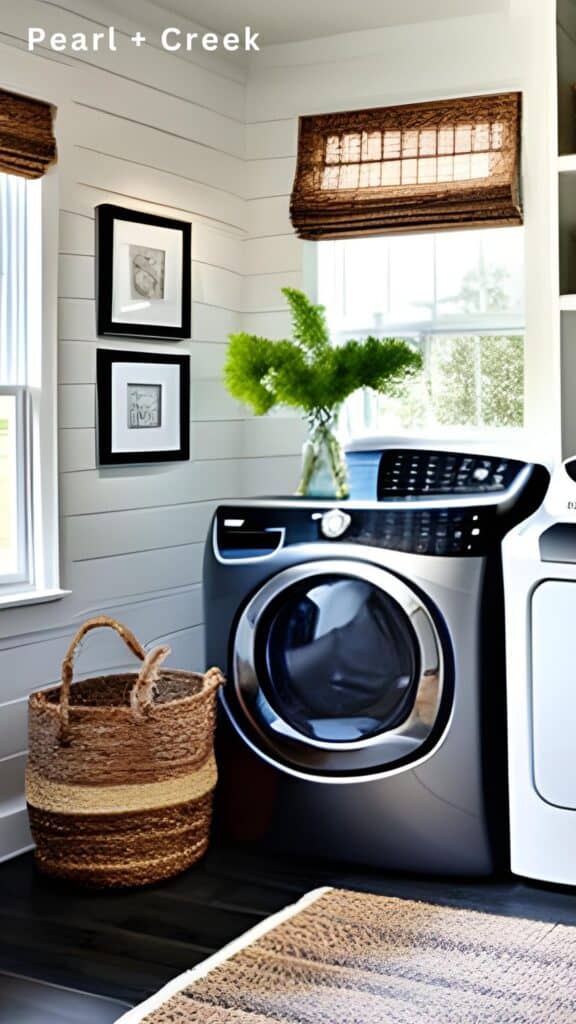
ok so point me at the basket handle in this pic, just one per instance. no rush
(143, 690)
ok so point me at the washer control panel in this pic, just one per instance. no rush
(405, 472)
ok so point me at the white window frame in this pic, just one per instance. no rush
(37, 438)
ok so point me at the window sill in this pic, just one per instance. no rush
(24, 597)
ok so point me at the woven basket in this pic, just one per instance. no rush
(121, 770)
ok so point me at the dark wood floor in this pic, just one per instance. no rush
(127, 944)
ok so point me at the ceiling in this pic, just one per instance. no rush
(284, 21)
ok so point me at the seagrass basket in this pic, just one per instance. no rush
(121, 769)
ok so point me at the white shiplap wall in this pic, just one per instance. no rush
(165, 135)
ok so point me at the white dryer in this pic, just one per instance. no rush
(539, 562)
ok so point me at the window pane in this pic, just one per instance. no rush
(458, 295)
(8, 487)
(411, 279)
(13, 284)
(473, 381)
(479, 272)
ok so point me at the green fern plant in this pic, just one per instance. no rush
(308, 373)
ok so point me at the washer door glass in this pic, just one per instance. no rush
(342, 660)
(338, 670)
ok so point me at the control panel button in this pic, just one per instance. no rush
(334, 523)
(481, 474)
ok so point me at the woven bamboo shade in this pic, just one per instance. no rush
(418, 167)
(27, 143)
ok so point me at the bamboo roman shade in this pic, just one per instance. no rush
(27, 143)
(419, 167)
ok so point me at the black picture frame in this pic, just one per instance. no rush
(106, 215)
(105, 398)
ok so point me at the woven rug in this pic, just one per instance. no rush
(340, 957)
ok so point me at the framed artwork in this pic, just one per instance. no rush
(143, 404)
(143, 272)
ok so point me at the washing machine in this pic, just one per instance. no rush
(540, 576)
(364, 717)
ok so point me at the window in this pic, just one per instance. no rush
(459, 297)
(28, 438)
(15, 243)
(28, 549)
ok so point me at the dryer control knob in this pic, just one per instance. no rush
(334, 523)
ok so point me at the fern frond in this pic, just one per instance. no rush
(309, 325)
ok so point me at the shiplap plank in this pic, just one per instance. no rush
(77, 359)
(123, 137)
(154, 183)
(272, 177)
(207, 359)
(268, 217)
(131, 487)
(187, 649)
(216, 286)
(76, 405)
(76, 277)
(273, 255)
(266, 476)
(268, 325)
(272, 139)
(136, 573)
(13, 728)
(14, 831)
(273, 436)
(117, 533)
(12, 777)
(212, 323)
(76, 320)
(209, 400)
(76, 234)
(217, 247)
(216, 439)
(262, 292)
(77, 449)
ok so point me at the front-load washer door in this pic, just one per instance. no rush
(338, 671)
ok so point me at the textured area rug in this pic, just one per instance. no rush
(341, 957)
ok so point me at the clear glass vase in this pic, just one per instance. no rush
(324, 473)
